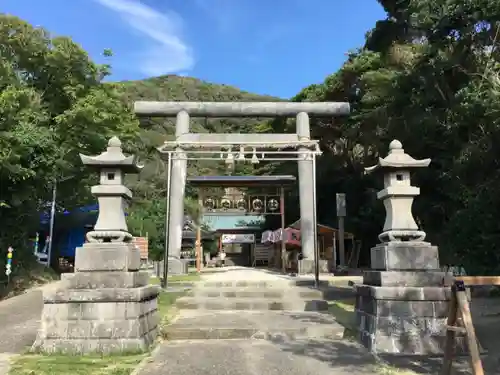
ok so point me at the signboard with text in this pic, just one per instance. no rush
(238, 238)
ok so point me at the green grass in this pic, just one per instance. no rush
(192, 276)
(31, 364)
(154, 280)
(384, 369)
(343, 311)
(166, 308)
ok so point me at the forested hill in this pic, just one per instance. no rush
(176, 88)
(155, 131)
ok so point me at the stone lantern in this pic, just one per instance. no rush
(402, 305)
(112, 195)
(107, 304)
(398, 194)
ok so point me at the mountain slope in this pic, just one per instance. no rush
(174, 88)
(148, 208)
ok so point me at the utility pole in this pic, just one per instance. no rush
(51, 225)
(341, 213)
(198, 234)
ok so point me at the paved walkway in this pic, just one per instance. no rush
(276, 354)
(242, 273)
(19, 323)
(259, 357)
(280, 354)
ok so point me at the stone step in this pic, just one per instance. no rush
(252, 292)
(285, 283)
(206, 325)
(289, 304)
(279, 283)
(275, 291)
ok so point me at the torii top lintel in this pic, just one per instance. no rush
(240, 109)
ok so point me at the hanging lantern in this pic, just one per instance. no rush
(209, 204)
(225, 204)
(241, 204)
(257, 205)
(273, 204)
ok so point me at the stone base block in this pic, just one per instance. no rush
(97, 280)
(405, 255)
(62, 295)
(403, 320)
(307, 266)
(110, 256)
(98, 320)
(104, 346)
(177, 266)
(404, 278)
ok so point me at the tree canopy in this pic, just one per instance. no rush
(428, 75)
(53, 106)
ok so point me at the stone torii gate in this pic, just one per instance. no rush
(185, 140)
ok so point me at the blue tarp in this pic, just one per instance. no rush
(72, 238)
(94, 208)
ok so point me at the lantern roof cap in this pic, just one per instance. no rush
(113, 157)
(398, 159)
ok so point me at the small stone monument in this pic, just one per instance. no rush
(402, 306)
(107, 304)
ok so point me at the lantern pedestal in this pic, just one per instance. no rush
(402, 306)
(106, 305)
(404, 255)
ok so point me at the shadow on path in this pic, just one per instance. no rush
(347, 353)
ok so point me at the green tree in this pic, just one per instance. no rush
(428, 75)
(53, 106)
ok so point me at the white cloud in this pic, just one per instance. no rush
(166, 51)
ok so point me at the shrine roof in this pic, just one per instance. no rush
(241, 181)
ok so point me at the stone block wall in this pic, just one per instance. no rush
(99, 327)
(403, 320)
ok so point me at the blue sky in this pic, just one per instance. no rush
(274, 47)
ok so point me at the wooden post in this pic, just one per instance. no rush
(449, 348)
(459, 308)
(198, 233)
(334, 251)
(475, 359)
(283, 237)
(341, 242)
